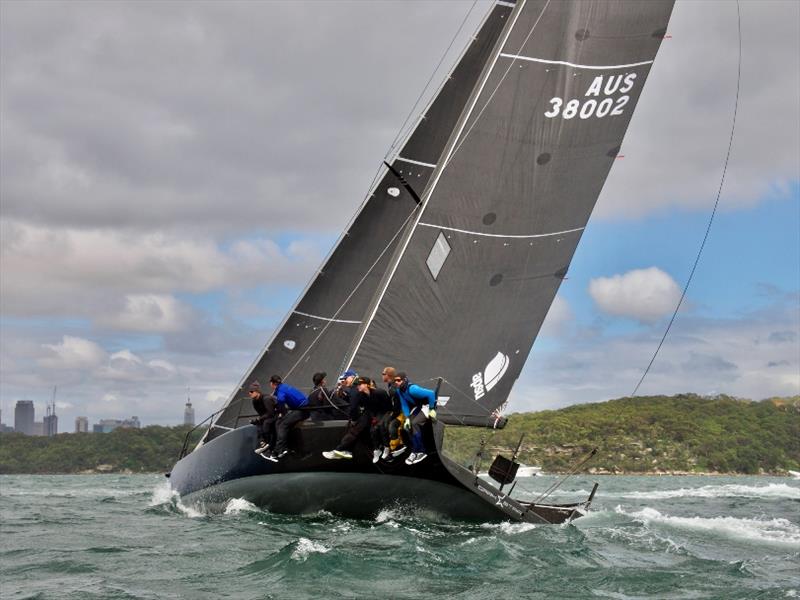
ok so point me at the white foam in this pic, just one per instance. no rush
(772, 490)
(510, 528)
(386, 515)
(306, 548)
(771, 531)
(237, 506)
(164, 494)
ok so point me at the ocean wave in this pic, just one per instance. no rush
(770, 531)
(164, 495)
(237, 506)
(509, 528)
(306, 548)
(771, 490)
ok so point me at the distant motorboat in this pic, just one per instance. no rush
(529, 471)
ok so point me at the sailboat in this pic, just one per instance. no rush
(449, 267)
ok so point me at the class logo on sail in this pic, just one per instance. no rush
(494, 371)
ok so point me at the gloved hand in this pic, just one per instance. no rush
(432, 414)
(426, 410)
(407, 423)
(253, 421)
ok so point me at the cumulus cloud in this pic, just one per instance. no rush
(149, 313)
(73, 353)
(643, 294)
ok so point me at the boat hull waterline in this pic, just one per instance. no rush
(306, 483)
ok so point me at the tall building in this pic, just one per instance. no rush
(50, 422)
(188, 413)
(23, 417)
(81, 424)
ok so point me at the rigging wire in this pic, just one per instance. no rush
(713, 212)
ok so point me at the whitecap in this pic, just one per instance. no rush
(236, 506)
(306, 548)
(509, 528)
(772, 531)
(164, 494)
(772, 490)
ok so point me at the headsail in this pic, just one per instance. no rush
(476, 273)
(316, 335)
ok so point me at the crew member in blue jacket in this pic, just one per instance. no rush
(293, 400)
(419, 405)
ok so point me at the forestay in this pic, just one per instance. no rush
(476, 272)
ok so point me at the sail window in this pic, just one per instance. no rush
(439, 253)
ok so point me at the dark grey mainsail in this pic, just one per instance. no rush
(476, 272)
(321, 328)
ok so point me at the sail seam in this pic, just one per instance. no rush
(416, 162)
(432, 186)
(297, 312)
(577, 66)
(503, 235)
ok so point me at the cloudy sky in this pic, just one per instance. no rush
(171, 174)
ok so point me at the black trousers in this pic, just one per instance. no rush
(266, 431)
(285, 423)
(354, 430)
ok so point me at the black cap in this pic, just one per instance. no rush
(319, 377)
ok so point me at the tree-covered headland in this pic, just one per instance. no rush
(653, 434)
(650, 434)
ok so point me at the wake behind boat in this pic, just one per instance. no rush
(450, 266)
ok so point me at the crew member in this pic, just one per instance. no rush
(365, 405)
(294, 401)
(395, 444)
(418, 404)
(265, 406)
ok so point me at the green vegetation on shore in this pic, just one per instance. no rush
(152, 449)
(655, 434)
(650, 434)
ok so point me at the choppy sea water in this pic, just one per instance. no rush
(116, 536)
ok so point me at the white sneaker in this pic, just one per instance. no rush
(385, 454)
(330, 455)
(262, 448)
(343, 454)
(399, 452)
(376, 456)
(419, 457)
(411, 458)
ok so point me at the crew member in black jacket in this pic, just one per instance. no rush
(365, 407)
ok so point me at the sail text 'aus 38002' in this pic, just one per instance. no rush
(601, 85)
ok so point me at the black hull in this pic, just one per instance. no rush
(305, 482)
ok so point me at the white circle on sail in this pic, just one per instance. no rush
(393, 192)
